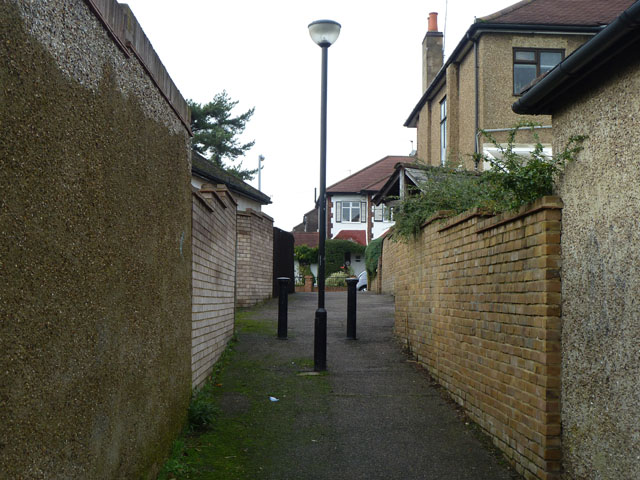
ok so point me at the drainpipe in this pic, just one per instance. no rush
(475, 52)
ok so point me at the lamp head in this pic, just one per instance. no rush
(324, 32)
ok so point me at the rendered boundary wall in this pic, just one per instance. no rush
(601, 274)
(95, 249)
(478, 303)
(254, 281)
(214, 275)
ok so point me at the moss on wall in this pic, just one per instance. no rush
(95, 256)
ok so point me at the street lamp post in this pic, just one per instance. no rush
(324, 33)
(260, 160)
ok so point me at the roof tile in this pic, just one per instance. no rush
(559, 12)
(358, 236)
(367, 178)
(305, 238)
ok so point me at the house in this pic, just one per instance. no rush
(499, 55)
(309, 222)
(406, 178)
(595, 91)
(204, 171)
(351, 213)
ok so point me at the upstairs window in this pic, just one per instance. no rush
(443, 131)
(350, 212)
(383, 213)
(530, 63)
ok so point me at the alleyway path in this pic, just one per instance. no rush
(374, 415)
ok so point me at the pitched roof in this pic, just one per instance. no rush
(370, 178)
(204, 168)
(583, 16)
(358, 236)
(559, 12)
(305, 238)
(590, 62)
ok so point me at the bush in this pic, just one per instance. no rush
(335, 250)
(337, 279)
(515, 180)
(305, 254)
(446, 188)
(371, 256)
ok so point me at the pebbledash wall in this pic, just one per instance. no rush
(478, 303)
(254, 258)
(95, 245)
(214, 275)
(601, 274)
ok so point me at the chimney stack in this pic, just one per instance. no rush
(432, 53)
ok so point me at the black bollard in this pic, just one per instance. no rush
(351, 308)
(283, 299)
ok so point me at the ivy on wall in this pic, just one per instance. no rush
(335, 253)
(335, 250)
(371, 256)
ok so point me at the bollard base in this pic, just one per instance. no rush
(351, 308)
(320, 341)
(283, 300)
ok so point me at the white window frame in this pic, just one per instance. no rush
(383, 213)
(443, 131)
(350, 206)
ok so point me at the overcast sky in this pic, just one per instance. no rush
(261, 54)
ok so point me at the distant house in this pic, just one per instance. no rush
(204, 171)
(351, 213)
(499, 55)
(595, 92)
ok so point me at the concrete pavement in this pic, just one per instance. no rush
(380, 417)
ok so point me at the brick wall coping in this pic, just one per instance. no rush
(208, 190)
(464, 216)
(204, 201)
(550, 202)
(220, 192)
(123, 27)
(440, 214)
(251, 212)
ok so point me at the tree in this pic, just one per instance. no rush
(216, 131)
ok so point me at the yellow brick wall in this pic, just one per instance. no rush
(478, 304)
(255, 258)
(213, 278)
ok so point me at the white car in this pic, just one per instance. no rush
(361, 286)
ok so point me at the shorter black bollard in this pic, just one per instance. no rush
(283, 300)
(351, 308)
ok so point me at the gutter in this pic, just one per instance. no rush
(264, 200)
(474, 31)
(543, 97)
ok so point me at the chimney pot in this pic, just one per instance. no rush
(432, 54)
(433, 22)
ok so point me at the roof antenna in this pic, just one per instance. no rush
(444, 30)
